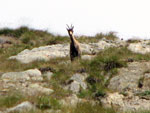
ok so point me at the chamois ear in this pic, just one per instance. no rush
(72, 27)
(67, 27)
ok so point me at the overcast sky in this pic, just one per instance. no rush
(130, 18)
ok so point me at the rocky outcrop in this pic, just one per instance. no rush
(23, 107)
(142, 47)
(71, 100)
(130, 86)
(125, 103)
(32, 74)
(133, 82)
(76, 82)
(128, 77)
(6, 41)
(60, 50)
(28, 82)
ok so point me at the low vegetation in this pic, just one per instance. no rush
(13, 98)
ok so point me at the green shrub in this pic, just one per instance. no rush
(90, 108)
(27, 37)
(84, 93)
(57, 40)
(10, 100)
(46, 102)
(108, 36)
(145, 93)
(14, 32)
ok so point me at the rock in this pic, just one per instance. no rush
(113, 100)
(125, 104)
(6, 41)
(42, 53)
(131, 81)
(128, 77)
(58, 50)
(76, 82)
(48, 75)
(34, 89)
(74, 87)
(141, 47)
(87, 57)
(80, 79)
(32, 74)
(146, 82)
(70, 101)
(46, 69)
(52, 111)
(73, 100)
(23, 107)
(29, 82)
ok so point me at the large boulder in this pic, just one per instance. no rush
(59, 50)
(125, 103)
(28, 82)
(70, 101)
(31, 74)
(142, 47)
(42, 53)
(76, 82)
(23, 107)
(128, 77)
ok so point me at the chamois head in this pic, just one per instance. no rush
(70, 29)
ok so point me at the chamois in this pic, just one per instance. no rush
(75, 51)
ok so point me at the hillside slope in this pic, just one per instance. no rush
(36, 74)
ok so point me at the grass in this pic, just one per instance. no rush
(36, 38)
(80, 108)
(133, 40)
(97, 37)
(141, 111)
(46, 102)
(14, 32)
(145, 93)
(32, 37)
(11, 99)
(87, 108)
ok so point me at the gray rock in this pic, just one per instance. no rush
(128, 78)
(70, 101)
(42, 53)
(28, 82)
(113, 100)
(24, 106)
(87, 57)
(32, 74)
(74, 87)
(125, 104)
(34, 89)
(78, 81)
(52, 111)
(59, 50)
(142, 47)
(48, 75)
(4, 40)
(146, 82)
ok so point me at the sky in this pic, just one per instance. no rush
(129, 18)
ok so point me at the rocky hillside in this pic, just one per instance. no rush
(36, 75)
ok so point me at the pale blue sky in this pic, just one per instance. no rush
(130, 18)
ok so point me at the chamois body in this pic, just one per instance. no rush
(75, 51)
